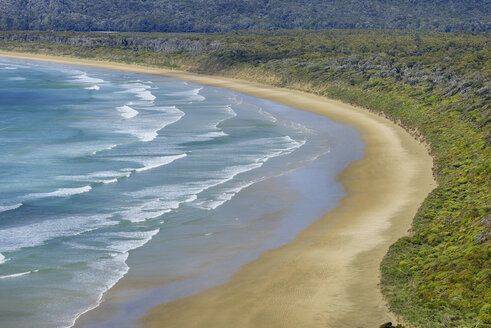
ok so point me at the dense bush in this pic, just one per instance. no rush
(226, 15)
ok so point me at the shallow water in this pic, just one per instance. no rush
(95, 163)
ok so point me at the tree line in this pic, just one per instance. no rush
(227, 15)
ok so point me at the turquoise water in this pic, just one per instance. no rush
(95, 163)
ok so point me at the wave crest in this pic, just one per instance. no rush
(62, 192)
(5, 208)
(20, 274)
(127, 112)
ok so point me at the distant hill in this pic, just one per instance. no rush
(226, 15)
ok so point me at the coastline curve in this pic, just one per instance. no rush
(328, 276)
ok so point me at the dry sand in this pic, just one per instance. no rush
(328, 276)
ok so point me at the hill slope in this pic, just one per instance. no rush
(226, 15)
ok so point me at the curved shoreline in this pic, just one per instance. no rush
(327, 276)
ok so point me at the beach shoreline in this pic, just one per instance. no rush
(328, 276)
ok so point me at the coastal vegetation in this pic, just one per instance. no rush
(225, 15)
(434, 84)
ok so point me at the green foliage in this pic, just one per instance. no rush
(226, 15)
(485, 314)
(435, 84)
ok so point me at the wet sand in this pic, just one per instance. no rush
(328, 276)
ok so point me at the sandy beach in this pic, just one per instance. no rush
(328, 276)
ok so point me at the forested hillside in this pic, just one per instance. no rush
(437, 85)
(226, 15)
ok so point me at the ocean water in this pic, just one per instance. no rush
(96, 163)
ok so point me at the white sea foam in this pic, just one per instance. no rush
(141, 91)
(116, 265)
(224, 197)
(120, 242)
(298, 127)
(172, 196)
(2, 258)
(168, 193)
(39, 233)
(109, 181)
(169, 197)
(140, 81)
(151, 162)
(108, 174)
(218, 132)
(94, 87)
(101, 176)
(137, 214)
(266, 114)
(192, 95)
(147, 126)
(62, 192)
(230, 111)
(84, 78)
(210, 129)
(158, 162)
(17, 78)
(212, 135)
(127, 112)
(18, 274)
(104, 149)
(196, 96)
(5, 208)
(125, 241)
(166, 109)
(274, 147)
(228, 193)
(284, 145)
(146, 136)
(230, 173)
